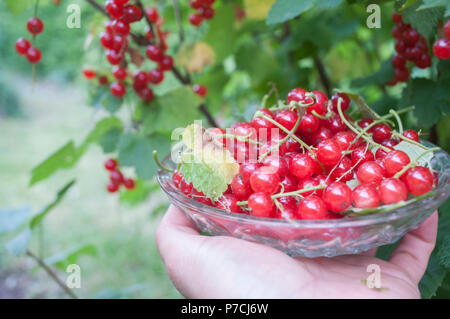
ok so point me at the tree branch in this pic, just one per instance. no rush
(322, 75)
(52, 274)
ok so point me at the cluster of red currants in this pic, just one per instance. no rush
(115, 40)
(204, 11)
(91, 74)
(23, 47)
(310, 160)
(410, 45)
(116, 178)
(441, 47)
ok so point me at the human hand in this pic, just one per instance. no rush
(227, 267)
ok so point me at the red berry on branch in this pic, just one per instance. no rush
(129, 183)
(103, 80)
(397, 18)
(380, 132)
(107, 40)
(424, 61)
(176, 178)
(120, 73)
(345, 104)
(320, 107)
(113, 57)
(228, 202)
(89, 74)
(112, 187)
(154, 53)
(195, 19)
(394, 162)
(121, 2)
(264, 180)
(121, 27)
(116, 177)
(402, 75)
(155, 76)
(195, 4)
(200, 90)
(302, 166)
(287, 118)
(152, 14)
(398, 61)
(166, 63)
(114, 10)
(140, 80)
(328, 152)
(185, 187)
(309, 123)
(118, 89)
(365, 196)
(108, 26)
(111, 164)
(206, 12)
(441, 49)
(361, 155)
(412, 135)
(22, 46)
(33, 55)
(146, 94)
(35, 25)
(370, 173)
(131, 13)
(240, 189)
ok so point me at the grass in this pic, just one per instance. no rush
(127, 260)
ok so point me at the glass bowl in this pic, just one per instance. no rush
(314, 238)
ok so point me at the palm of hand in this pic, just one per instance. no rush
(225, 267)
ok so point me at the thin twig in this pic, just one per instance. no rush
(176, 8)
(52, 274)
(323, 75)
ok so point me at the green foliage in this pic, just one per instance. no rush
(12, 219)
(220, 35)
(67, 257)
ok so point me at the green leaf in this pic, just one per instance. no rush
(65, 258)
(432, 278)
(221, 36)
(137, 195)
(37, 219)
(12, 218)
(175, 109)
(435, 3)
(424, 20)
(19, 244)
(17, 7)
(137, 151)
(101, 128)
(100, 97)
(110, 139)
(381, 77)
(444, 252)
(284, 10)
(62, 158)
(431, 100)
(111, 103)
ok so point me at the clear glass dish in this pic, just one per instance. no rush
(314, 238)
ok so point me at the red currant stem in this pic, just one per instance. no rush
(176, 9)
(366, 138)
(150, 24)
(401, 136)
(294, 193)
(399, 121)
(239, 138)
(264, 101)
(352, 168)
(155, 157)
(414, 163)
(322, 117)
(281, 127)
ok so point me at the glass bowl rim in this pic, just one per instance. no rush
(354, 221)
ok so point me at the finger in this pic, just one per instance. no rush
(371, 252)
(221, 267)
(415, 248)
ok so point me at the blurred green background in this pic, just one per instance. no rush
(37, 117)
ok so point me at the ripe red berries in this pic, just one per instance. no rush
(200, 90)
(22, 46)
(116, 178)
(118, 89)
(35, 25)
(260, 204)
(204, 11)
(33, 55)
(441, 49)
(337, 196)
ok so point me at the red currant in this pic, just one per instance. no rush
(166, 63)
(185, 187)
(195, 19)
(412, 135)
(380, 132)
(22, 46)
(263, 180)
(418, 180)
(116, 177)
(146, 94)
(155, 76)
(365, 196)
(119, 73)
(361, 155)
(260, 204)
(35, 25)
(370, 173)
(287, 118)
(112, 187)
(114, 10)
(131, 13)
(154, 53)
(113, 57)
(289, 183)
(392, 190)
(89, 74)
(247, 169)
(345, 104)
(397, 18)
(118, 89)
(337, 197)
(129, 183)
(329, 152)
(152, 14)
(200, 90)
(394, 162)
(312, 207)
(309, 123)
(120, 27)
(240, 189)
(320, 107)
(176, 178)
(33, 55)
(302, 166)
(111, 164)
(441, 49)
